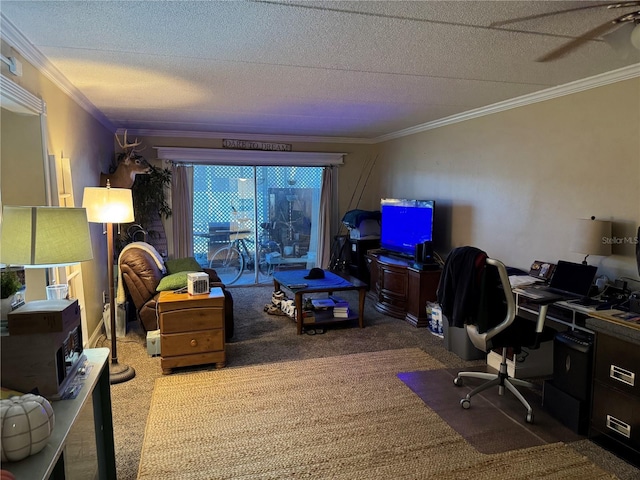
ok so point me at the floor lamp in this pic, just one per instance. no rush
(111, 205)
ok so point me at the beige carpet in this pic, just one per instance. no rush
(342, 417)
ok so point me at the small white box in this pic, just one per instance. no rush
(197, 283)
(153, 343)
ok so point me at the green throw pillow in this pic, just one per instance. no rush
(175, 281)
(187, 264)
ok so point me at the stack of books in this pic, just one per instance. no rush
(340, 307)
(322, 303)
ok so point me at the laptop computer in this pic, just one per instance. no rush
(569, 281)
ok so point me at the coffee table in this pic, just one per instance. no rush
(294, 281)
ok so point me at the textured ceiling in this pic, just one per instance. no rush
(329, 68)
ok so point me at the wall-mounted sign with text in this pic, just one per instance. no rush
(251, 145)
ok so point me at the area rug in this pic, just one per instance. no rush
(494, 423)
(342, 417)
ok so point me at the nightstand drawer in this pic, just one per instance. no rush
(618, 364)
(192, 342)
(616, 414)
(191, 319)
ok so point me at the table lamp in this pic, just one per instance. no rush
(111, 205)
(44, 237)
(591, 237)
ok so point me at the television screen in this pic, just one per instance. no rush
(405, 223)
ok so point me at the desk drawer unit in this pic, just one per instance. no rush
(615, 413)
(618, 364)
(191, 330)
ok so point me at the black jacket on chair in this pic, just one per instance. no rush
(459, 288)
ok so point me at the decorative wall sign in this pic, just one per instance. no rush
(251, 145)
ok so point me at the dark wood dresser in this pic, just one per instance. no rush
(400, 290)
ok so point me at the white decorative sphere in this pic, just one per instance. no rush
(26, 423)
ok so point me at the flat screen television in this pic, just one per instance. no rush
(404, 224)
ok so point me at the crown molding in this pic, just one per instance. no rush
(19, 100)
(249, 157)
(241, 136)
(16, 39)
(625, 73)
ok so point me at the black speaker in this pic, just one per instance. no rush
(572, 352)
(424, 252)
(419, 252)
(427, 252)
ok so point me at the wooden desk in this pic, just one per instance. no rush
(50, 462)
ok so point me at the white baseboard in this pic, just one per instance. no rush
(99, 331)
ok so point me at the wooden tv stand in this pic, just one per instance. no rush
(400, 290)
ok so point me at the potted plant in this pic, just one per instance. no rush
(9, 285)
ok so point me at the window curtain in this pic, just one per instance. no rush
(324, 220)
(182, 207)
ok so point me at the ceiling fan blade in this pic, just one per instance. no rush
(568, 10)
(576, 42)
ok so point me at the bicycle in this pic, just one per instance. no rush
(230, 261)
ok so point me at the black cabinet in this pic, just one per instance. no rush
(615, 419)
(357, 257)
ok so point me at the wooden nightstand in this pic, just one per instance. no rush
(191, 329)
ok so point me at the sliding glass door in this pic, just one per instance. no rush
(251, 221)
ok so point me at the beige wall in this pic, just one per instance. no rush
(512, 183)
(73, 133)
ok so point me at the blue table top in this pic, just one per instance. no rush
(296, 277)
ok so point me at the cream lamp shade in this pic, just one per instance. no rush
(592, 237)
(108, 205)
(44, 237)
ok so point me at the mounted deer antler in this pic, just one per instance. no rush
(130, 164)
(128, 148)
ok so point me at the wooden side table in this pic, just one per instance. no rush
(191, 329)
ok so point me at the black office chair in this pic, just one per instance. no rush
(475, 293)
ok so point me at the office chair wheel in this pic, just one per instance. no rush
(529, 417)
(465, 403)
(458, 382)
